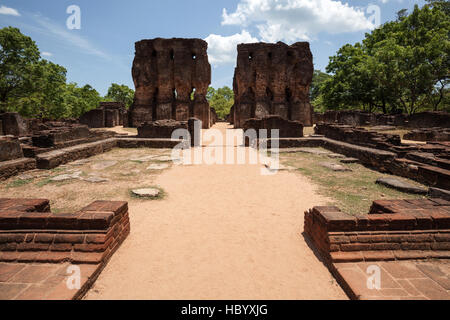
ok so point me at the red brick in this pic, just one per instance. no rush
(87, 257)
(27, 256)
(341, 256)
(385, 246)
(8, 256)
(117, 207)
(442, 237)
(53, 257)
(44, 238)
(69, 238)
(63, 221)
(441, 219)
(418, 238)
(33, 220)
(416, 246)
(440, 246)
(10, 246)
(33, 246)
(96, 238)
(61, 247)
(411, 254)
(378, 255)
(355, 247)
(12, 237)
(339, 239)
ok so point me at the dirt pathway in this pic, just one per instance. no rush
(223, 232)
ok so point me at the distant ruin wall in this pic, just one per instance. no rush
(171, 77)
(273, 79)
(359, 118)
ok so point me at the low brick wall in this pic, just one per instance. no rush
(393, 230)
(29, 232)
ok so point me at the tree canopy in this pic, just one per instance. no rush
(221, 100)
(403, 66)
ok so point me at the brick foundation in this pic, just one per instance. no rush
(29, 232)
(393, 230)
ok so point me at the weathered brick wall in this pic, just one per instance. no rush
(358, 136)
(273, 79)
(358, 118)
(166, 73)
(160, 128)
(29, 232)
(10, 148)
(13, 124)
(396, 229)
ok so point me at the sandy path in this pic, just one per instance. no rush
(223, 232)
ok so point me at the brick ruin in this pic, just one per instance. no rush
(30, 233)
(107, 115)
(427, 163)
(171, 77)
(273, 79)
(359, 118)
(397, 236)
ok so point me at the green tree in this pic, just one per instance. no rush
(403, 65)
(120, 93)
(18, 54)
(80, 100)
(221, 100)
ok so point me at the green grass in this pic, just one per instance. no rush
(354, 191)
(19, 183)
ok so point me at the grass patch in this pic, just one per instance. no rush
(352, 191)
(19, 183)
(162, 194)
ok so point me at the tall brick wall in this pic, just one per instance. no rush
(273, 79)
(166, 74)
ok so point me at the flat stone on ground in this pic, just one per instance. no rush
(334, 166)
(103, 165)
(155, 166)
(146, 192)
(143, 159)
(65, 177)
(95, 179)
(401, 185)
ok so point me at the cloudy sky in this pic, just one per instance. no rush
(102, 51)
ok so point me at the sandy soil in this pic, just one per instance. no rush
(222, 232)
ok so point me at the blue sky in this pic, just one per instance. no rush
(102, 51)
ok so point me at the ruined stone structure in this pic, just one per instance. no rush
(171, 77)
(273, 79)
(107, 115)
(426, 119)
(160, 128)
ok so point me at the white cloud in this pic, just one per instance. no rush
(9, 11)
(293, 20)
(68, 36)
(46, 54)
(223, 49)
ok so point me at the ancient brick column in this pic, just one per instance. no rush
(171, 77)
(273, 79)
